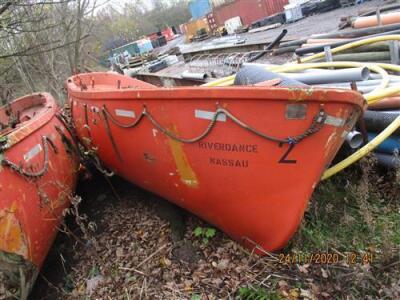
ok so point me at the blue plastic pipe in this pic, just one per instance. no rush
(390, 145)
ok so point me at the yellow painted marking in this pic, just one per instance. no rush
(185, 171)
(12, 238)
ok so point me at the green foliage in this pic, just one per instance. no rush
(205, 233)
(195, 297)
(359, 218)
(256, 293)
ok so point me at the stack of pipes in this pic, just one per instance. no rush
(317, 43)
(378, 116)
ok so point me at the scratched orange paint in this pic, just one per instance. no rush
(257, 196)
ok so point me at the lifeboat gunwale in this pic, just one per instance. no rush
(28, 127)
(240, 93)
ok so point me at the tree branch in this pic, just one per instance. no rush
(25, 52)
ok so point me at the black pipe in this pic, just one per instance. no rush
(320, 48)
(356, 33)
(293, 43)
(270, 46)
(381, 9)
(277, 39)
(376, 121)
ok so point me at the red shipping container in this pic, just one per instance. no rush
(248, 10)
(168, 33)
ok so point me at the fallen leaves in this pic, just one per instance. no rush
(138, 259)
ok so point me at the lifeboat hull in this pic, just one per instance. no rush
(245, 159)
(38, 173)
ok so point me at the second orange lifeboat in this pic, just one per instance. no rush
(38, 173)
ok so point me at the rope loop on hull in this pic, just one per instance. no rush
(19, 168)
(316, 125)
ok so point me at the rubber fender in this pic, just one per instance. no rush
(250, 75)
(376, 121)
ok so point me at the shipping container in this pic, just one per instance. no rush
(191, 28)
(216, 3)
(199, 8)
(248, 11)
(168, 33)
(293, 12)
(162, 40)
(132, 49)
(233, 24)
(154, 35)
(144, 46)
(211, 22)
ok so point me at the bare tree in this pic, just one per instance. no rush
(42, 43)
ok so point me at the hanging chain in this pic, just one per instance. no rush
(316, 125)
(19, 169)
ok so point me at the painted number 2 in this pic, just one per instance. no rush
(284, 159)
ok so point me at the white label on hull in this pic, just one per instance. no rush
(208, 115)
(125, 113)
(334, 121)
(33, 152)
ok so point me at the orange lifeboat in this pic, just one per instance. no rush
(245, 159)
(37, 178)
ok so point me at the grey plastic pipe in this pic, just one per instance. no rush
(354, 139)
(196, 76)
(361, 88)
(334, 76)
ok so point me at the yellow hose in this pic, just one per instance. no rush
(226, 81)
(371, 97)
(381, 92)
(364, 150)
(394, 37)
